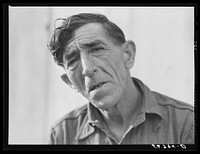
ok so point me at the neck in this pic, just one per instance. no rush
(119, 115)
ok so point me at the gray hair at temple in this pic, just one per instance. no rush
(62, 34)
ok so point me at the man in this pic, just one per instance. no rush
(121, 109)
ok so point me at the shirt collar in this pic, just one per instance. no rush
(150, 104)
(94, 118)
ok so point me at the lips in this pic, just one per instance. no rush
(96, 86)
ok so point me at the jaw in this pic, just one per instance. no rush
(121, 101)
(109, 100)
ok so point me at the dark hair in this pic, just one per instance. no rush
(61, 35)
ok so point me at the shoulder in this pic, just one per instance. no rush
(177, 115)
(175, 110)
(166, 101)
(72, 115)
(65, 129)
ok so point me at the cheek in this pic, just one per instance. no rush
(77, 80)
(118, 68)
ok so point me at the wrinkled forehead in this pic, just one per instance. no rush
(86, 35)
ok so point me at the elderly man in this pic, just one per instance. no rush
(121, 109)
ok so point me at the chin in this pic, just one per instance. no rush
(106, 99)
(105, 103)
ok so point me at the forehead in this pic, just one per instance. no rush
(88, 33)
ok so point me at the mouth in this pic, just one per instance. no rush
(94, 87)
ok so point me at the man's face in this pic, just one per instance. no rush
(95, 66)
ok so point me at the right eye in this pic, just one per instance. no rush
(71, 64)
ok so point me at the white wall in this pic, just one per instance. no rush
(28, 75)
(164, 39)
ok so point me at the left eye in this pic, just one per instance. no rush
(97, 49)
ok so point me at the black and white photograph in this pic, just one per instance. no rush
(102, 75)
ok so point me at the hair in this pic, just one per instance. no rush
(62, 34)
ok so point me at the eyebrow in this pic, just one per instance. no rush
(93, 44)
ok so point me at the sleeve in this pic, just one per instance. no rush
(52, 139)
(188, 135)
(58, 135)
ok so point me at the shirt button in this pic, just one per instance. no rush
(96, 121)
(142, 118)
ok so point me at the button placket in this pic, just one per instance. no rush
(124, 136)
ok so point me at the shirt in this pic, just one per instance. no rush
(162, 120)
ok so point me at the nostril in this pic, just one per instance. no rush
(95, 70)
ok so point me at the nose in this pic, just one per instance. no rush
(88, 65)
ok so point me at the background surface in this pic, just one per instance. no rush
(164, 38)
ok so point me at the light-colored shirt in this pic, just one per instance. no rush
(162, 120)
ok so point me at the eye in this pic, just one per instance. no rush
(97, 49)
(71, 64)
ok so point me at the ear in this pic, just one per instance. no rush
(65, 78)
(129, 50)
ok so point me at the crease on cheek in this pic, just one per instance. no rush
(113, 71)
(117, 68)
(105, 67)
